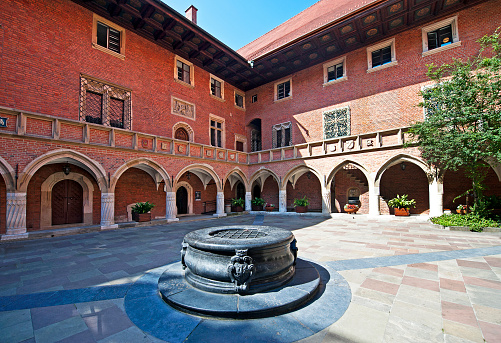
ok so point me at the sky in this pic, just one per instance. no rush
(238, 22)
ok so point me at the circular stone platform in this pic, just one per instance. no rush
(180, 294)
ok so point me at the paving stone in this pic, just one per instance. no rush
(107, 322)
(10, 318)
(421, 283)
(399, 330)
(458, 313)
(491, 332)
(488, 314)
(17, 333)
(44, 316)
(380, 286)
(60, 330)
(459, 332)
(461, 298)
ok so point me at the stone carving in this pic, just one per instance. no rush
(184, 247)
(220, 203)
(337, 123)
(326, 198)
(370, 142)
(221, 154)
(164, 146)
(183, 108)
(248, 198)
(282, 201)
(350, 144)
(294, 250)
(232, 156)
(107, 209)
(144, 143)
(16, 213)
(170, 208)
(241, 270)
(180, 148)
(208, 153)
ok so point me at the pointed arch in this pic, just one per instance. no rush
(62, 155)
(296, 172)
(185, 126)
(155, 170)
(399, 158)
(357, 164)
(263, 173)
(202, 171)
(240, 175)
(8, 175)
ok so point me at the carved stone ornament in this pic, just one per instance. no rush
(144, 143)
(208, 153)
(183, 108)
(241, 270)
(350, 144)
(294, 250)
(221, 154)
(370, 142)
(180, 148)
(184, 247)
(232, 156)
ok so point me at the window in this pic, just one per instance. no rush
(255, 140)
(182, 134)
(240, 142)
(104, 103)
(282, 135)
(216, 131)
(216, 87)
(283, 90)
(381, 56)
(440, 36)
(108, 37)
(335, 71)
(239, 100)
(254, 98)
(337, 123)
(183, 71)
(239, 146)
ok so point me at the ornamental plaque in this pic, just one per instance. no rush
(3, 122)
(183, 108)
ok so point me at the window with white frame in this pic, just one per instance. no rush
(216, 87)
(440, 36)
(108, 37)
(282, 135)
(335, 71)
(216, 131)
(239, 100)
(183, 71)
(283, 89)
(381, 55)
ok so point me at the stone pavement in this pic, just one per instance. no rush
(409, 282)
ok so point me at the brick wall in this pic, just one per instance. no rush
(343, 182)
(309, 187)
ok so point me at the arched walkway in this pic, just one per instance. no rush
(300, 182)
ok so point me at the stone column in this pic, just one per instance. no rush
(282, 201)
(108, 211)
(326, 201)
(170, 207)
(16, 216)
(248, 198)
(436, 200)
(220, 205)
(374, 200)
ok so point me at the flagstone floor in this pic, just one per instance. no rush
(406, 281)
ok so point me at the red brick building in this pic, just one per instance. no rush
(105, 103)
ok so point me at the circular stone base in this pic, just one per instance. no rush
(180, 294)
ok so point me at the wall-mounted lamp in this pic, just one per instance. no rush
(402, 165)
(66, 169)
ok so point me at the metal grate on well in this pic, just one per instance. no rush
(238, 233)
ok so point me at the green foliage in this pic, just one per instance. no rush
(238, 202)
(493, 201)
(463, 121)
(258, 201)
(301, 202)
(402, 202)
(471, 220)
(142, 207)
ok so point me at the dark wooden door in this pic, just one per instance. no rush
(182, 200)
(67, 203)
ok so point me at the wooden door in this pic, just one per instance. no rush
(182, 200)
(67, 203)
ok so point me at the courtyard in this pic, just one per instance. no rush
(409, 281)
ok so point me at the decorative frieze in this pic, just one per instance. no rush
(183, 108)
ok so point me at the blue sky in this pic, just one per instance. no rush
(237, 22)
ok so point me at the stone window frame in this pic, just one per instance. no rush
(331, 63)
(240, 138)
(222, 87)
(192, 72)
(275, 87)
(242, 94)
(281, 127)
(95, 20)
(348, 121)
(185, 126)
(95, 85)
(453, 21)
(382, 45)
(254, 98)
(213, 117)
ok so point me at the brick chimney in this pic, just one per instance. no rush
(191, 14)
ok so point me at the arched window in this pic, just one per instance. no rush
(182, 134)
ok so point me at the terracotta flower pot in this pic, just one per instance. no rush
(238, 209)
(402, 212)
(270, 208)
(351, 210)
(301, 209)
(141, 217)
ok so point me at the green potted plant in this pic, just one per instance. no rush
(257, 204)
(461, 209)
(269, 207)
(141, 211)
(301, 205)
(402, 205)
(238, 204)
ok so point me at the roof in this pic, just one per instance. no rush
(314, 17)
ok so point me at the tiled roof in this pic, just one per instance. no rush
(312, 18)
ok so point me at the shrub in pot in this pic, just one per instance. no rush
(141, 211)
(257, 204)
(269, 207)
(301, 205)
(238, 204)
(402, 205)
(351, 208)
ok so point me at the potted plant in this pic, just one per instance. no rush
(238, 204)
(351, 208)
(301, 205)
(141, 211)
(257, 204)
(461, 209)
(269, 207)
(402, 205)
